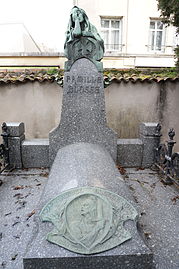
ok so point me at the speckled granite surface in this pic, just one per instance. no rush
(19, 196)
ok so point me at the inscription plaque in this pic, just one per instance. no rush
(88, 220)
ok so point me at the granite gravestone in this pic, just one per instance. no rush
(83, 220)
(83, 117)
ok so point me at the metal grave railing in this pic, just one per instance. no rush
(166, 160)
(4, 149)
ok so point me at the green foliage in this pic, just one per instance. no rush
(52, 71)
(170, 14)
(170, 11)
(141, 73)
(177, 56)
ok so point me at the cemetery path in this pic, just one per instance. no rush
(159, 207)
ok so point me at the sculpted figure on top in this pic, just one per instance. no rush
(82, 40)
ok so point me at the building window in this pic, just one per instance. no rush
(111, 34)
(156, 39)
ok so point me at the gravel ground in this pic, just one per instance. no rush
(159, 222)
(159, 207)
(19, 195)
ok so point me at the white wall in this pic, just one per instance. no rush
(136, 16)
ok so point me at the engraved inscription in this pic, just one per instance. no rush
(83, 79)
(88, 220)
(82, 89)
(83, 84)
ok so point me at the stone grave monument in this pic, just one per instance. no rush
(83, 117)
(86, 217)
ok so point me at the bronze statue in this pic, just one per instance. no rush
(82, 38)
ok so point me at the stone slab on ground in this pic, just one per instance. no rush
(81, 165)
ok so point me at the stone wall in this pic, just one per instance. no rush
(38, 105)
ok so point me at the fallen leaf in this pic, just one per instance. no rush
(44, 174)
(14, 257)
(174, 199)
(30, 214)
(16, 236)
(3, 264)
(140, 168)
(143, 213)
(121, 169)
(18, 196)
(18, 187)
(15, 223)
(147, 235)
(7, 214)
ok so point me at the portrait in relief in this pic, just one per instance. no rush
(92, 219)
(88, 220)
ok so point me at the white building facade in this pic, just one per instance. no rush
(133, 33)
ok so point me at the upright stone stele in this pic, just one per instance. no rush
(83, 117)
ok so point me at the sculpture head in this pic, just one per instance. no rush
(88, 206)
(78, 13)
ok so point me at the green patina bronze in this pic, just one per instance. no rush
(88, 220)
(82, 40)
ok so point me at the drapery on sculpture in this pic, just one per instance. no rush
(82, 39)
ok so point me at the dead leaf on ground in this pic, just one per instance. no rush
(7, 214)
(121, 169)
(18, 187)
(30, 214)
(16, 236)
(3, 264)
(143, 213)
(14, 257)
(174, 199)
(15, 223)
(18, 196)
(140, 168)
(147, 235)
(44, 174)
